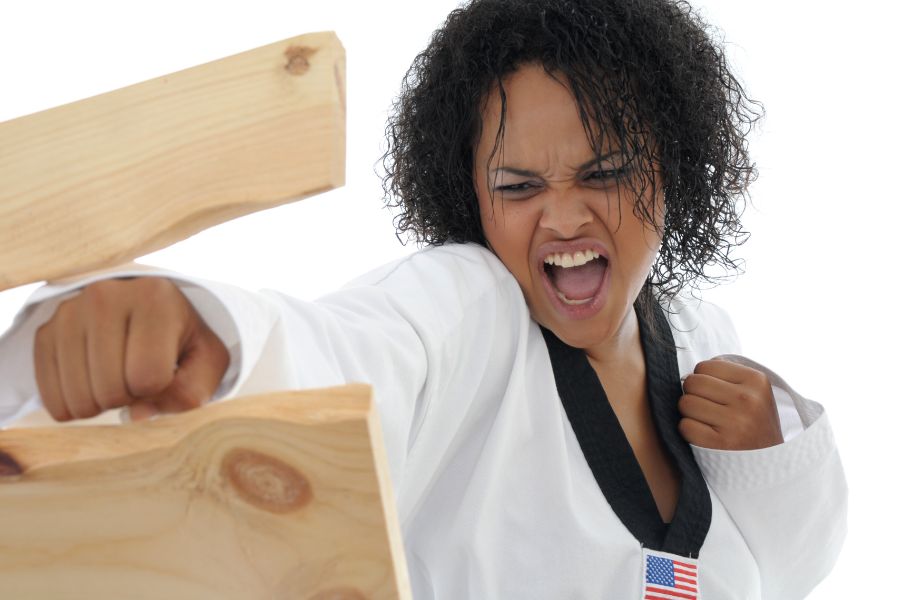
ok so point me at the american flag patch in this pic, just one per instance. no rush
(670, 577)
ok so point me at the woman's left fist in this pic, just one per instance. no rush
(728, 406)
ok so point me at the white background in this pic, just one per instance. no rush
(816, 303)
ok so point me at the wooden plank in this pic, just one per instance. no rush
(109, 178)
(284, 495)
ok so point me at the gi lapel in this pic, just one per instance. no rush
(609, 454)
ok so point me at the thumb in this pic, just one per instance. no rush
(203, 362)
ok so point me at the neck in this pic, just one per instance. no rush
(622, 347)
(619, 364)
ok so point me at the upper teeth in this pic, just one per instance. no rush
(566, 260)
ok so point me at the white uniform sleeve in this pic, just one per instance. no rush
(405, 328)
(789, 501)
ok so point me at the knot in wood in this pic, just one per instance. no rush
(266, 482)
(298, 59)
(343, 593)
(8, 465)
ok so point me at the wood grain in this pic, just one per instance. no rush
(109, 178)
(278, 496)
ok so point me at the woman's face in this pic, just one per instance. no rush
(559, 220)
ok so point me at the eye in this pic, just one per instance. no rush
(516, 188)
(608, 175)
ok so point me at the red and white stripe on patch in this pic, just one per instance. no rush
(670, 577)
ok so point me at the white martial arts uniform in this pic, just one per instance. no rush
(495, 495)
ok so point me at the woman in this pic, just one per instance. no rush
(573, 167)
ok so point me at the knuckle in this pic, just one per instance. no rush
(746, 397)
(66, 321)
(65, 313)
(760, 382)
(153, 289)
(99, 292)
(115, 299)
(760, 378)
(754, 402)
(98, 300)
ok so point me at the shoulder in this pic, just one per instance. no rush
(471, 262)
(700, 329)
(462, 271)
(444, 284)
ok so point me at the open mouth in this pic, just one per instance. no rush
(576, 277)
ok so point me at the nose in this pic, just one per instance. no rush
(566, 213)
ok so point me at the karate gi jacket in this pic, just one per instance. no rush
(512, 479)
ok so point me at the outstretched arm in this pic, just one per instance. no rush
(407, 329)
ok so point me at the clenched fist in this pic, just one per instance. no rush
(127, 342)
(728, 406)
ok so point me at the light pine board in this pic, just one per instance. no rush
(106, 179)
(281, 496)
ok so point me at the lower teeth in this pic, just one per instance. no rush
(571, 302)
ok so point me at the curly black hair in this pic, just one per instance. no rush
(650, 74)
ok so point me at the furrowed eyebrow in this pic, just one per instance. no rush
(583, 167)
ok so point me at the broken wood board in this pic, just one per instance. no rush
(103, 180)
(278, 496)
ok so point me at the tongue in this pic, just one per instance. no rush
(579, 283)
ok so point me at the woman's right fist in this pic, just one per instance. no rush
(127, 342)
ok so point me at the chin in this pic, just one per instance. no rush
(581, 334)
